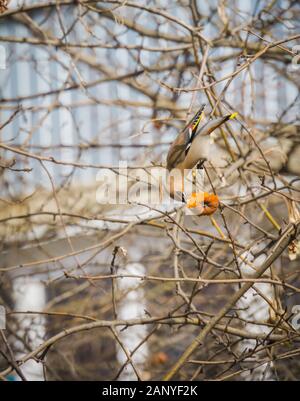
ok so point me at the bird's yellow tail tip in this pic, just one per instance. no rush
(233, 115)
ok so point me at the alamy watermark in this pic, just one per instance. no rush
(295, 65)
(295, 321)
(3, 57)
(153, 186)
(2, 317)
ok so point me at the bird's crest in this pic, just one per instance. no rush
(196, 119)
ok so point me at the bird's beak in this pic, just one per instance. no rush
(212, 125)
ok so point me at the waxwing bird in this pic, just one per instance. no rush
(180, 146)
(186, 152)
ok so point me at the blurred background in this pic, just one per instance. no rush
(96, 291)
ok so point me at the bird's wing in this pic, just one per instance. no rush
(180, 146)
(178, 149)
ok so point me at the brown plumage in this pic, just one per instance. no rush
(179, 147)
(185, 152)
